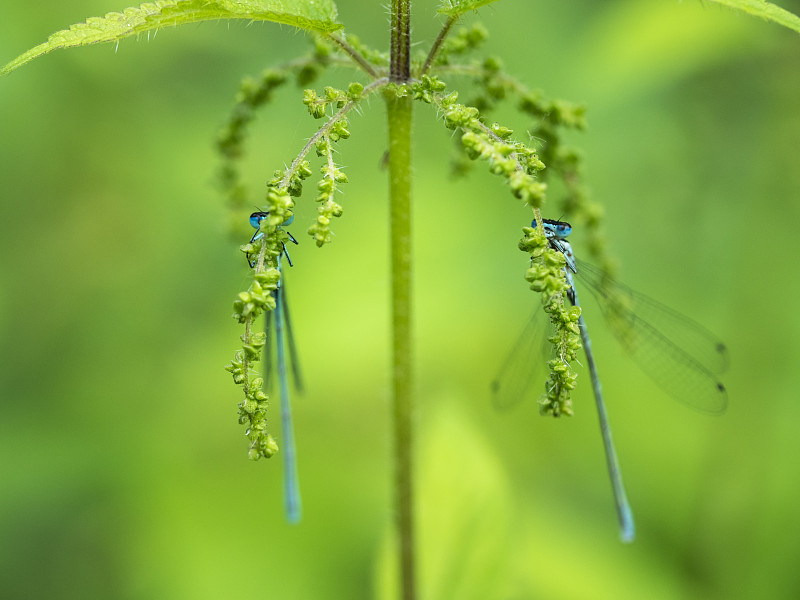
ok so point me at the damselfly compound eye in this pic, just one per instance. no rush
(563, 229)
(257, 217)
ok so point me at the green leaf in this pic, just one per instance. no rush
(765, 10)
(314, 15)
(455, 8)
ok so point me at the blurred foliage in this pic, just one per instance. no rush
(123, 475)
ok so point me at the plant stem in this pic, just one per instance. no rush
(399, 115)
(325, 129)
(398, 108)
(400, 69)
(437, 45)
(354, 54)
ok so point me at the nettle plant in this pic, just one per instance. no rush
(523, 164)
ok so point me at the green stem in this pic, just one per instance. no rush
(354, 54)
(399, 118)
(437, 45)
(399, 115)
(326, 128)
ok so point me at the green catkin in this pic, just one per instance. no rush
(521, 166)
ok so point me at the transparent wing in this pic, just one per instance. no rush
(268, 360)
(525, 366)
(294, 363)
(678, 354)
(292, 501)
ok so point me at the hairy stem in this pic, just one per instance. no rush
(399, 117)
(537, 215)
(326, 128)
(400, 69)
(437, 44)
(399, 114)
(354, 54)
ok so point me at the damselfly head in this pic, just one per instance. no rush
(257, 217)
(555, 229)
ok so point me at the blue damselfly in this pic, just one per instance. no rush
(678, 354)
(283, 339)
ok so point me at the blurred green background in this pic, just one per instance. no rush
(124, 471)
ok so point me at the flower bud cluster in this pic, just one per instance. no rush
(510, 159)
(328, 208)
(546, 276)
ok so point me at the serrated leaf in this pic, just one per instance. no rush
(455, 8)
(765, 10)
(314, 15)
